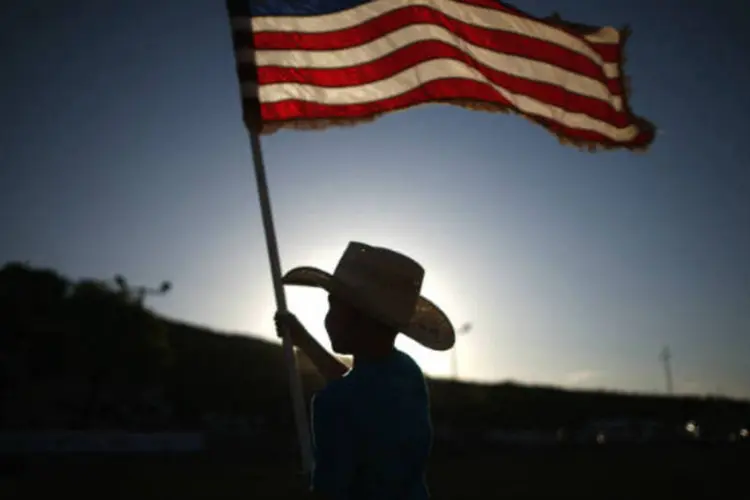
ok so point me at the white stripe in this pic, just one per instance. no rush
(608, 35)
(417, 76)
(470, 14)
(377, 49)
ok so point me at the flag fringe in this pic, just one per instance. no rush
(271, 127)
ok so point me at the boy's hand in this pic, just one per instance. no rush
(287, 321)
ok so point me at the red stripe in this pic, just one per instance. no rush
(609, 52)
(430, 92)
(495, 40)
(414, 54)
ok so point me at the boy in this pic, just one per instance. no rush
(371, 426)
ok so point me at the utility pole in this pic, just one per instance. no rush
(665, 356)
(465, 328)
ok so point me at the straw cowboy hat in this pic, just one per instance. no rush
(385, 285)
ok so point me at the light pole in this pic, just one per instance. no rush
(665, 356)
(141, 291)
(463, 330)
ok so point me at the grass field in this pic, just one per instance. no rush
(596, 473)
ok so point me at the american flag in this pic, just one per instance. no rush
(317, 63)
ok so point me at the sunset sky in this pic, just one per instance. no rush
(122, 151)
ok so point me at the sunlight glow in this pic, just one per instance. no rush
(311, 305)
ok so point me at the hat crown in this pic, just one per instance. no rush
(387, 281)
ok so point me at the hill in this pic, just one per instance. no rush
(88, 354)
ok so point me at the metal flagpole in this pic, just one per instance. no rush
(295, 385)
(253, 121)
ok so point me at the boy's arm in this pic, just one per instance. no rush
(326, 363)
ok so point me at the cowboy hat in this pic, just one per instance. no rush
(385, 285)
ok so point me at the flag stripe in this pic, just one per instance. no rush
(337, 61)
(421, 18)
(420, 74)
(604, 41)
(423, 51)
(489, 38)
(389, 48)
(477, 16)
(449, 90)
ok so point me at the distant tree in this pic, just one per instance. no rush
(52, 329)
(122, 285)
(32, 302)
(28, 295)
(121, 346)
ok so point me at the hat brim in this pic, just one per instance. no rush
(429, 325)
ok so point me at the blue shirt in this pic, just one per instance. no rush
(372, 433)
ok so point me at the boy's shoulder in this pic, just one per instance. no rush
(408, 363)
(339, 389)
(400, 367)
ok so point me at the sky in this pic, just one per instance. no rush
(122, 150)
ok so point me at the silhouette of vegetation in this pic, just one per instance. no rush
(89, 354)
(75, 354)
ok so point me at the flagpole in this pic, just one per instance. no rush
(295, 385)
